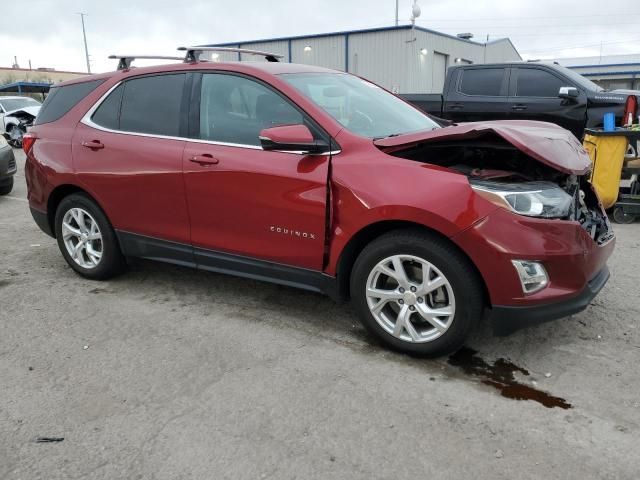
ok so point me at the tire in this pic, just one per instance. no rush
(459, 296)
(623, 218)
(6, 189)
(78, 209)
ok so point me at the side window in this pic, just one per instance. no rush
(482, 81)
(108, 113)
(152, 105)
(235, 109)
(533, 82)
(62, 99)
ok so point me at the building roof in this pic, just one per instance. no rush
(350, 32)
(35, 70)
(26, 87)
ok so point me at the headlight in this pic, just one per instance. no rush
(534, 199)
(3, 142)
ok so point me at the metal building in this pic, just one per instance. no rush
(404, 59)
(611, 72)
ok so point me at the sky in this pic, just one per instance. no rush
(49, 33)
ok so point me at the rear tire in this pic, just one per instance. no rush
(86, 239)
(6, 189)
(427, 309)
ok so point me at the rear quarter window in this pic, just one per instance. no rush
(62, 99)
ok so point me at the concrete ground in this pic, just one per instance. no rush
(170, 373)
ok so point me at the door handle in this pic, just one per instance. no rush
(519, 107)
(456, 106)
(204, 160)
(93, 144)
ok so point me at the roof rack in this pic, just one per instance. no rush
(124, 61)
(193, 53)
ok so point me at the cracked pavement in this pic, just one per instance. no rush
(193, 375)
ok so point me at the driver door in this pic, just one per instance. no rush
(242, 200)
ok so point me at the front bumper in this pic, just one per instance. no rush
(508, 319)
(575, 264)
(8, 166)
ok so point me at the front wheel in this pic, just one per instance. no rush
(86, 239)
(416, 292)
(623, 218)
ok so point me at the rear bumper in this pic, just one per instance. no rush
(508, 319)
(42, 220)
(8, 165)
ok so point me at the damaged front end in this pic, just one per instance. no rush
(529, 168)
(19, 122)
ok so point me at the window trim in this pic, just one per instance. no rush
(193, 90)
(504, 84)
(549, 71)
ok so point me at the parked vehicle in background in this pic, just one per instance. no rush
(16, 114)
(8, 167)
(523, 91)
(317, 179)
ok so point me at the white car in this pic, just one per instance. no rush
(16, 114)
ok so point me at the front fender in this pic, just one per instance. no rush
(399, 190)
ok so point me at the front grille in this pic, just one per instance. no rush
(12, 165)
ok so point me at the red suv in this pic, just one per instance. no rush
(320, 180)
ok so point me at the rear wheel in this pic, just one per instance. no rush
(7, 187)
(416, 292)
(86, 239)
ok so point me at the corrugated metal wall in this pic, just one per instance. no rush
(403, 60)
(324, 51)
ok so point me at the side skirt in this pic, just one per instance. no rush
(134, 245)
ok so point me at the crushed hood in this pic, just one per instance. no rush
(20, 112)
(546, 142)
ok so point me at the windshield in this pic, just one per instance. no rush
(16, 103)
(360, 106)
(579, 79)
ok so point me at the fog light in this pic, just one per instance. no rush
(533, 276)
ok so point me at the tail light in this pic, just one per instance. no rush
(27, 142)
(630, 110)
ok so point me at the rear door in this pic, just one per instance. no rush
(245, 201)
(534, 96)
(128, 153)
(478, 93)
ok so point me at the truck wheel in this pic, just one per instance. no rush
(6, 189)
(620, 217)
(416, 292)
(86, 239)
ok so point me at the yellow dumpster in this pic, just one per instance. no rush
(607, 155)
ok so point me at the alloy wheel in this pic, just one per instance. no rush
(82, 238)
(410, 298)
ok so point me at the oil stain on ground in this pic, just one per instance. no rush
(501, 376)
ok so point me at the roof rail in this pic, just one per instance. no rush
(193, 53)
(124, 61)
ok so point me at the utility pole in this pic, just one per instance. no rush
(84, 35)
(397, 13)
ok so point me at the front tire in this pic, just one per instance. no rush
(86, 239)
(416, 292)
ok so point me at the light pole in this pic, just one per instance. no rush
(84, 35)
(397, 13)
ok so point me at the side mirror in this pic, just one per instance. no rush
(568, 93)
(291, 138)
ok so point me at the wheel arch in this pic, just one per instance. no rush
(369, 233)
(58, 194)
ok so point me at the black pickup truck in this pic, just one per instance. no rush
(523, 91)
